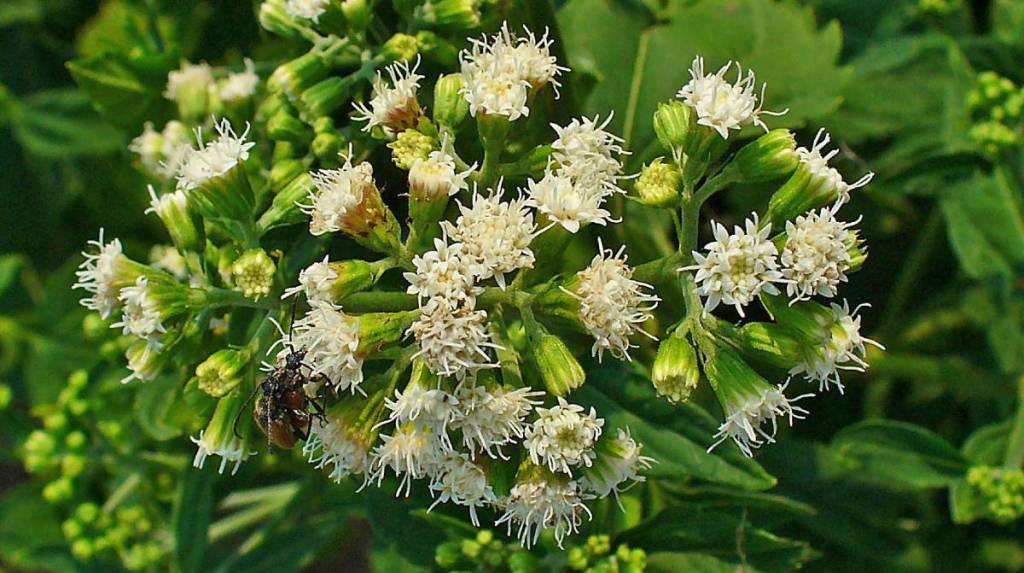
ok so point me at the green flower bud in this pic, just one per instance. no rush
(72, 529)
(357, 13)
(447, 554)
(675, 372)
(285, 127)
(768, 157)
(144, 361)
(470, 548)
(409, 146)
(1001, 489)
(770, 344)
(327, 146)
(674, 124)
(284, 172)
(658, 184)
(219, 439)
(72, 465)
(275, 19)
(484, 536)
(576, 559)
(450, 107)
(190, 87)
(56, 421)
(522, 562)
(173, 209)
(82, 549)
(253, 273)
(58, 490)
(94, 327)
(400, 47)
(449, 14)
(285, 210)
(437, 49)
(221, 371)
(75, 440)
(5, 396)
(807, 320)
(558, 368)
(324, 98)
(298, 75)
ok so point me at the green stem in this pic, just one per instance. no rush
(1015, 447)
(217, 297)
(379, 301)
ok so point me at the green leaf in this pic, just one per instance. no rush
(639, 63)
(985, 446)
(63, 123)
(678, 437)
(126, 89)
(901, 454)
(30, 536)
(674, 562)
(158, 408)
(194, 504)
(986, 227)
(725, 536)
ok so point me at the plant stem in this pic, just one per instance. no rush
(392, 301)
(216, 297)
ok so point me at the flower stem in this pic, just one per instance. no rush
(216, 297)
(392, 301)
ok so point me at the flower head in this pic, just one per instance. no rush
(167, 258)
(331, 444)
(306, 9)
(612, 304)
(443, 273)
(412, 452)
(141, 315)
(564, 202)
(490, 418)
(161, 152)
(241, 85)
(331, 341)
(751, 420)
(453, 341)
(189, 78)
(393, 107)
(436, 176)
(338, 196)
(619, 460)
(721, 105)
(462, 482)
(215, 158)
(587, 153)
(816, 255)
(563, 436)
(545, 502)
(737, 267)
(99, 275)
(843, 349)
(430, 407)
(219, 439)
(495, 235)
(817, 165)
(315, 281)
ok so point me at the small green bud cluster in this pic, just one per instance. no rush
(1001, 489)
(595, 557)
(125, 534)
(60, 449)
(483, 552)
(995, 105)
(939, 7)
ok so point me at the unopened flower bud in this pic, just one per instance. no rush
(357, 13)
(144, 361)
(675, 372)
(284, 172)
(449, 14)
(219, 439)
(409, 146)
(558, 368)
(221, 372)
(298, 75)
(173, 210)
(450, 107)
(286, 127)
(858, 251)
(658, 184)
(286, 209)
(253, 273)
(768, 157)
(447, 554)
(323, 98)
(400, 47)
(674, 123)
(326, 146)
(275, 19)
(771, 344)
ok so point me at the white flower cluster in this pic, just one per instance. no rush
(140, 316)
(335, 194)
(499, 73)
(613, 306)
(721, 105)
(215, 158)
(330, 340)
(752, 421)
(161, 152)
(97, 276)
(437, 175)
(584, 172)
(824, 174)
(816, 255)
(843, 349)
(314, 281)
(392, 107)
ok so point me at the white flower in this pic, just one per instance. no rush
(392, 107)
(331, 445)
(619, 460)
(429, 407)
(336, 193)
(817, 165)
(443, 273)
(498, 74)
(495, 235)
(816, 256)
(570, 205)
(413, 452)
(161, 152)
(167, 258)
(452, 341)
(215, 158)
(141, 314)
(98, 274)
(190, 78)
(306, 9)
(240, 86)
(462, 482)
(331, 341)
(563, 436)
(843, 349)
(612, 304)
(752, 420)
(544, 504)
(230, 450)
(315, 281)
(721, 105)
(737, 267)
(585, 152)
(492, 418)
(436, 176)
(144, 362)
